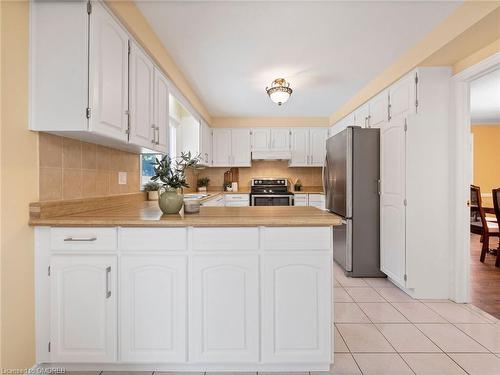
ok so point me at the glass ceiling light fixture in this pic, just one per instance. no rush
(280, 91)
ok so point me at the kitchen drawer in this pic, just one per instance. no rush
(237, 197)
(316, 198)
(300, 199)
(296, 238)
(167, 239)
(98, 239)
(216, 201)
(225, 238)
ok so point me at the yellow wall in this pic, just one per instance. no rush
(472, 26)
(477, 56)
(486, 159)
(19, 186)
(137, 25)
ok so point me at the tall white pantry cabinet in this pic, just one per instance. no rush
(413, 117)
(91, 81)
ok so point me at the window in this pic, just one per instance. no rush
(147, 168)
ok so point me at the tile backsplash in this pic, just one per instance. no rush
(309, 176)
(71, 169)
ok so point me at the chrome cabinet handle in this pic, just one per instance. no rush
(80, 239)
(108, 274)
(157, 135)
(153, 141)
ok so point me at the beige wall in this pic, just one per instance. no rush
(254, 122)
(72, 169)
(486, 159)
(19, 186)
(309, 176)
(477, 56)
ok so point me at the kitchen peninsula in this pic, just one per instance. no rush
(229, 289)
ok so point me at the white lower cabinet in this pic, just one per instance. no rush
(295, 308)
(225, 308)
(83, 308)
(153, 308)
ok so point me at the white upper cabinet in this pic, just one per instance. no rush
(261, 139)
(270, 139)
(402, 96)
(83, 308)
(241, 148)
(153, 308)
(317, 146)
(221, 150)
(206, 144)
(161, 112)
(109, 54)
(231, 148)
(142, 71)
(362, 116)
(378, 110)
(280, 139)
(300, 147)
(308, 147)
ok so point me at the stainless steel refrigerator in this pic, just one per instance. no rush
(351, 183)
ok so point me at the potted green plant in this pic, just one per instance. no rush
(298, 185)
(171, 172)
(203, 184)
(152, 189)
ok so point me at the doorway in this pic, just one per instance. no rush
(474, 118)
(484, 244)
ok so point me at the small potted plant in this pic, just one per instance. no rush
(203, 184)
(152, 189)
(298, 185)
(171, 172)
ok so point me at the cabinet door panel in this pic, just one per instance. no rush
(153, 302)
(378, 110)
(161, 112)
(280, 139)
(83, 313)
(361, 116)
(206, 144)
(225, 316)
(300, 147)
(296, 300)
(317, 146)
(261, 139)
(109, 69)
(141, 99)
(241, 147)
(402, 95)
(221, 149)
(393, 190)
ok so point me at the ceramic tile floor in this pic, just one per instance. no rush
(381, 330)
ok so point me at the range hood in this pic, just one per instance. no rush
(271, 155)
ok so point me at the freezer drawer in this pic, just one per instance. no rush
(342, 245)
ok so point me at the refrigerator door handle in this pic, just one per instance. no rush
(325, 165)
(348, 246)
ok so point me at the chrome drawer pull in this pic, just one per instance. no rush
(108, 273)
(80, 239)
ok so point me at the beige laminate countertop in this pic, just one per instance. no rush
(148, 214)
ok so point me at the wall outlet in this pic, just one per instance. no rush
(122, 178)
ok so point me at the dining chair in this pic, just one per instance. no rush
(479, 224)
(496, 206)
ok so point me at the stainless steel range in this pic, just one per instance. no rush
(270, 192)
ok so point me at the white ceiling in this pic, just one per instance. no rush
(485, 99)
(230, 51)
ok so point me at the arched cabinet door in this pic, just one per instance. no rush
(296, 308)
(225, 315)
(153, 300)
(83, 308)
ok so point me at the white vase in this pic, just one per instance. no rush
(153, 195)
(202, 189)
